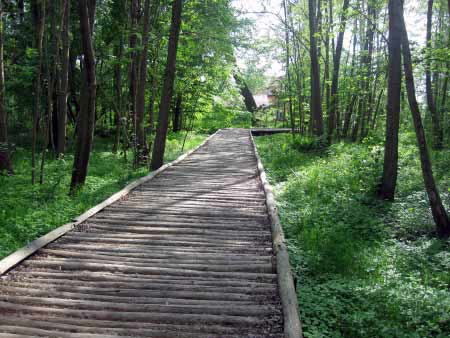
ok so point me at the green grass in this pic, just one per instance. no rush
(363, 268)
(27, 211)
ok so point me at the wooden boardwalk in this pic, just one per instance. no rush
(188, 254)
(271, 131)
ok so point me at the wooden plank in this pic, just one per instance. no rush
(83, 265)
(118, 304)
(161, 317)
(111, 287)
(118, 277)
(270, 131)
(114, 329)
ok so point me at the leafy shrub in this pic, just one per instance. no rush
(363, 267)
(307, 143)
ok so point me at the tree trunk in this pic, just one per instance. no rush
(133, 72)
(326, 68)
(298, 81)
(437, 130)
(154, 77)
(348, 115)
(142, 151)
(288, 66)
(5, 160)
(63, 83)
(439, 214)
(51, 75)
(167, 91)
(151, 103)
(334, 99)
(357, 121)
(367, 62)
(249, 100)
(21, 7)
(377, 109)
(177, 114)
(390, 168)
(38, 11)
(118, 51)
(86, 118)
(343, 129)
(316, 97)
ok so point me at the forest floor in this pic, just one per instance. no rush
(27, 212)
(363, 268)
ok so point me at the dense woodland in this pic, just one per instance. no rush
(95, 93)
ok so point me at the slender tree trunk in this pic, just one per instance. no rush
(134, 15)
(167, 91)
(365, 103)
(298, 77)
(133, 73)
(151, 103)
(334, 99)
(437, 208)
(154, 77)
(437, 130)
(326, 70)
(5, 160)
(443, 108)
(390, 168)
(288, 66)
(339, 116)
(368, 104)
(72, 99)
(377, 109)
(359, 78)
(316, 97)
(358, 119)
(142, 150)
(92, 7)
(38, 11)
(63, 83)
(444, 92)
(86, 118)
(21, 7)
(177, 114)
(348, 115)
(299, 89)
(118, 51)
(51, 70)
(349, 111)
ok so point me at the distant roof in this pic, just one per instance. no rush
(261, 100)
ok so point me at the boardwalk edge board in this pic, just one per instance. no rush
(288, 295)
(18, 256)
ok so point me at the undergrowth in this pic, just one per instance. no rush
(363, 267)
(27, 211)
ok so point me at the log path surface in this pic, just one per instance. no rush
(188, 254)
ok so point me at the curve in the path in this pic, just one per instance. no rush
(188, 254)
